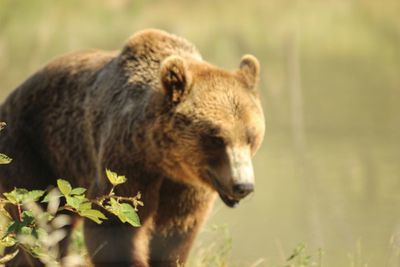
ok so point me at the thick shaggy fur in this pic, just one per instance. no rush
(140, 112)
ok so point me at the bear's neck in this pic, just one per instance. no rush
(137, 139)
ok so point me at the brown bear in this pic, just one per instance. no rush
(180, 129)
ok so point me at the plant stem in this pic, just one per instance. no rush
(19, 212)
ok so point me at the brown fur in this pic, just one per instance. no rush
(151, 112)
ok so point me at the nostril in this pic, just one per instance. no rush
(243, 189)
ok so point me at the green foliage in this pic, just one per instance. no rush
(114, 178)
(3, 158)
(301, 258)
(19, 196)
(32, 229)
(64, 187)
(77, 202)
(124, 211)
(349, 53)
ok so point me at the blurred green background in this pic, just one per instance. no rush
(328, 173)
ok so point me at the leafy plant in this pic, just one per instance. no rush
(3, 158)
(37, 231)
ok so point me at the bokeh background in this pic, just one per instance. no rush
(328, 174)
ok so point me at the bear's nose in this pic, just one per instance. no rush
(242, 190)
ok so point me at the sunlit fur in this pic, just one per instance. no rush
(154, 112)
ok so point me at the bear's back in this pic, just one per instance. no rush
(45, 114)
(49, 134)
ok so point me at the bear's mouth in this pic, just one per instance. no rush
(226, 198)
(229, 201)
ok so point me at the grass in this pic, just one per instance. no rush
(217, 253)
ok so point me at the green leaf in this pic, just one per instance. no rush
(11, 197)
(94, 215)
(114, 178)
(16, 196)
(64, 186)
(130, 214)
(85, 206)
(46, 199)
(18, 227)
(25, 230)
(79, 203)
(33, 195)
(13, 227)
(124, 211)
(74, 202)
(115, 208)
(27, 218)
(78, 191)
(2, 125)
(20, 195)
(4, 159)
(8, 241)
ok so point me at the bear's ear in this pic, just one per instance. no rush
(250, 70)
(175, 78)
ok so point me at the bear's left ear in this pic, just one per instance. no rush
(175, 78)
(250, 70)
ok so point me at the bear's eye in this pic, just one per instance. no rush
(212, 141)
(251, 138)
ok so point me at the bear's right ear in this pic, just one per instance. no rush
(175, 78)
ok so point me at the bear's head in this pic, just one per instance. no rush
(217, 124)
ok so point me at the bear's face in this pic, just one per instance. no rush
(218, 124)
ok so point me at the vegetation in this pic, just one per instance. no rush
(38, 231)
(3, 158)
(300, 258)
(33, 229)
(328, 172)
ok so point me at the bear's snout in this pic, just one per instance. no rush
(241, 168)
(242, 190)
(233, 179)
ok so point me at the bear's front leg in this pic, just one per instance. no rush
(172, 249)
(118, 244)
(182, 210)
(113, 243)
